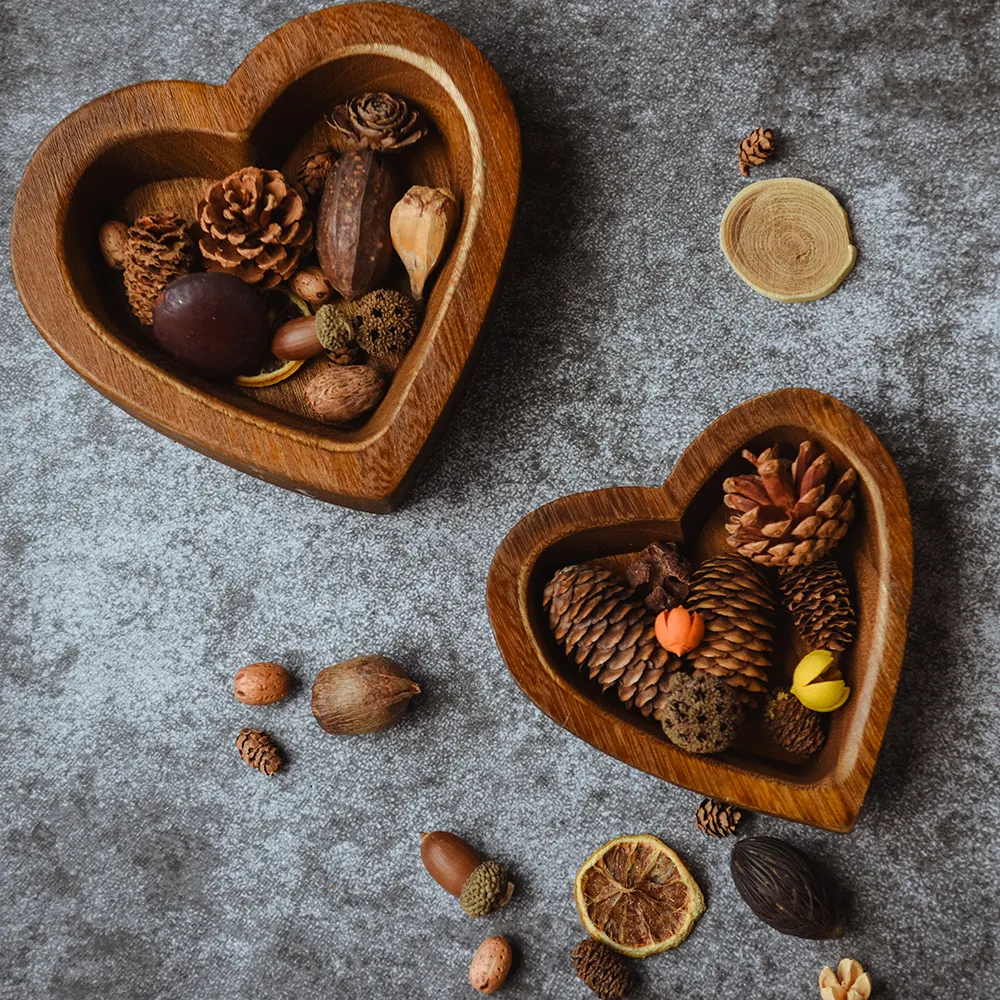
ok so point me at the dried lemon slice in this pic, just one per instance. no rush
(270, 377)
(788, 239)
(636, 896)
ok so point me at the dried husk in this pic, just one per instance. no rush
(421, 225)
(782, 887)
(362, 695)
(353, 242)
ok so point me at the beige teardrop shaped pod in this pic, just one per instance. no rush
(788, 239)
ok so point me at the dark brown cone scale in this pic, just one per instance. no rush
(352, 232)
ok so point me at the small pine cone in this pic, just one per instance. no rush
(312, 172)
(603, 970)
(379, 122)
(608, 632)
(258, 751)
(664, 571)
(792, 726)
(485, 890)
(734, 597)
(385, 322)
(158, 249)
(755, 149)
(254, 225)
(819, 600)
(717, 819)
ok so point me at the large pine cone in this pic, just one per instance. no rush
(379, 122)
(734, 597)
(786, 516)
(255, 226)
(607, 631)
(819, 600)
(158, 249)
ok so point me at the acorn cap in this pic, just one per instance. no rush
(333, 327)
(485, 890)
(603, 970)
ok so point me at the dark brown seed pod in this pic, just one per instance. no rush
(782, 887)
(352, 232)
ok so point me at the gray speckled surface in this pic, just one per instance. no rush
(141, 859)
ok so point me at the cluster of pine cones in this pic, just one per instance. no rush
(787, 517)
(255, 223)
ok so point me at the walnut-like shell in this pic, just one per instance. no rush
(338, 394)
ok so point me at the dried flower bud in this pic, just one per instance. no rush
(817, 683)
(421, 225)
(679, 631)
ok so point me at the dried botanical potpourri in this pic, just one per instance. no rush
(340, 234)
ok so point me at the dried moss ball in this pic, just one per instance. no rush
(385, 322)
(703, 714)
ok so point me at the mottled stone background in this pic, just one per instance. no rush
(141, 859)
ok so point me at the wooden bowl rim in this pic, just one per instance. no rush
(834, 801)
(391, 442)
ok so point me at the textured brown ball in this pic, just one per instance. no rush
(702, 713)
(385, 322)
(602, 969)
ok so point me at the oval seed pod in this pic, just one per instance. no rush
(781, 886)
(481, 886)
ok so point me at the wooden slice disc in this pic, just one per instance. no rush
(788, 239)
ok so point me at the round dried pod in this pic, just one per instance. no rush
(113, 240)
(361, 695)
(782, 887)
(702, 714)
(385, 322)
(338, 394)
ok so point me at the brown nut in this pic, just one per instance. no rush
(338, 394)
(262, 683)
(448, 859)
(490, 965)
(113, 240)
(310, 283)
(296, 340)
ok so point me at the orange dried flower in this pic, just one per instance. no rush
(679, 631)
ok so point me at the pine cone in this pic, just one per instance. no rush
(255, 226)
(755, 149)
(258, 751)
(379, 122)
(734, 597)
(602, 969)
(717, 819)
(312, 172)
(158, 249)
(793, 727)
(606, 630)
(665, 571)
(819, 600)
(785, 515)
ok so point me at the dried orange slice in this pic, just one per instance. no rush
(271, 377)
(636, 896)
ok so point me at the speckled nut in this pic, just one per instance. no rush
(113, 239)
(490, 965)
(310, 283)
(262, 683)
(485, 890)
(338, 394)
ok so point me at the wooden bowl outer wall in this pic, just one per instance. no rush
(370, 468)
(826, 793)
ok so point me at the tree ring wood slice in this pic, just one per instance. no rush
(788, 239)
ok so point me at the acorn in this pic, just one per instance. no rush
(481, 886)
(782, 887)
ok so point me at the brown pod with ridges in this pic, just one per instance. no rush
(353, 242)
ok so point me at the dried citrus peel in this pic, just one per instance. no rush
(788, 239)
(271, 377)
(818, 684)
(635, 895)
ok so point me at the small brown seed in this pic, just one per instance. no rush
(490, 965)
(262, 683)
(310, 283)
(448, 859)
(113, 239)
(296, 340)
(338, 394)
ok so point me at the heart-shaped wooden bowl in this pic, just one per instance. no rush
(607, 525)
(157, 145)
